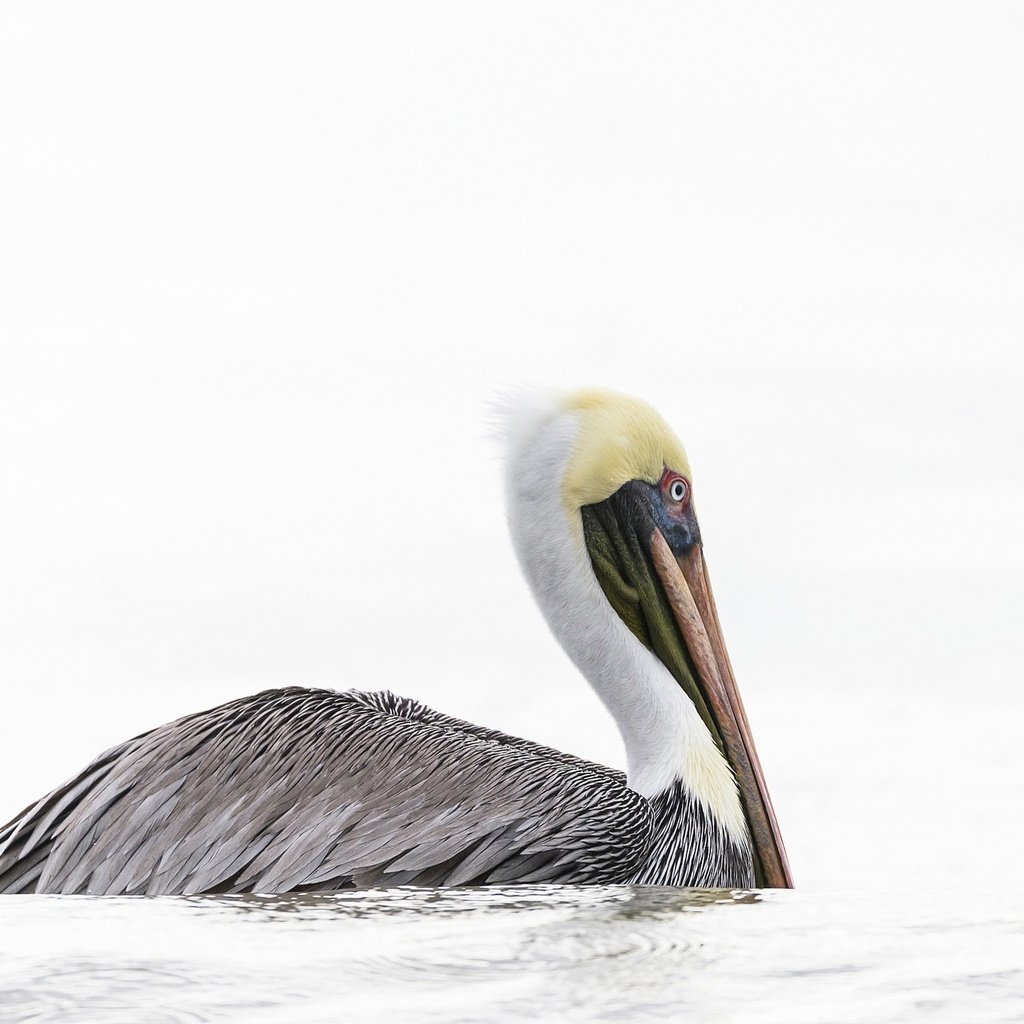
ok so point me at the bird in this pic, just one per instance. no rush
(316, 790)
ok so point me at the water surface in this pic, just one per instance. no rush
(544, 953)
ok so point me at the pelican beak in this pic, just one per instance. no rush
(684, 579)
(662, 593)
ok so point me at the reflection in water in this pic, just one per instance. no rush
(556, 953)
(641, 901)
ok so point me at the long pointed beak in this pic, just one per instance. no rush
(688, 590)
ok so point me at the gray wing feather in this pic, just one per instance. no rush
(302, 789)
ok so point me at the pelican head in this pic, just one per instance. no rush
(603, 518)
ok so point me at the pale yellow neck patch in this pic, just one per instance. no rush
(620, 438)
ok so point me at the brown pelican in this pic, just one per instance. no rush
(310, 789)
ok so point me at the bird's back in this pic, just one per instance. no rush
(304, 789)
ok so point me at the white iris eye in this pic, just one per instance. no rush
(677, 490)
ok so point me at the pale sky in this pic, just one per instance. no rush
(263, 266)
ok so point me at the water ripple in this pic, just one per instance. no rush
(83, 990)
(533, 954)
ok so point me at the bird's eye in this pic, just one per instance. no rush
(677, 490)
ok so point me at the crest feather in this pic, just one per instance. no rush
(621, 438)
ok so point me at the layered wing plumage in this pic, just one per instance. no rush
(306, 790)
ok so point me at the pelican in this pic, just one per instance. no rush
(299, 790)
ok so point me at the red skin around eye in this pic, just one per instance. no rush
(667, 479)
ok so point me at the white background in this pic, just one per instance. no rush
(262, 267)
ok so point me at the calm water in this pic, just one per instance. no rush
(534, 954)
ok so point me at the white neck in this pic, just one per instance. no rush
(664, 736)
